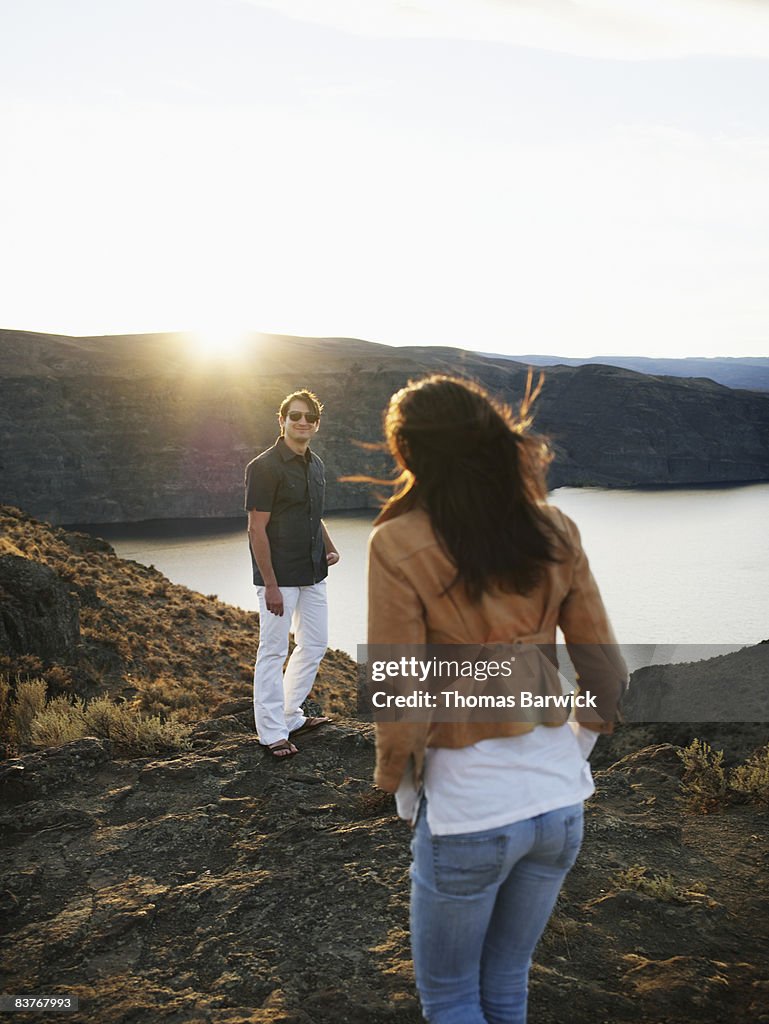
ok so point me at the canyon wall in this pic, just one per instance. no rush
(135, 427)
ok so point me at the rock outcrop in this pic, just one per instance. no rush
(727, 688)
(38, 614)
(131, 428)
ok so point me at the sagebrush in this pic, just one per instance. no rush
(38, 721)
(704, 785)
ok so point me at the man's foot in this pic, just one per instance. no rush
(309, 724)
(281, 749)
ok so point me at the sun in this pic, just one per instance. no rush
(219, 342)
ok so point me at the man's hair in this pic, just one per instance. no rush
(305, 396)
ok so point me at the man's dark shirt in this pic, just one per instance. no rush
(291, 488)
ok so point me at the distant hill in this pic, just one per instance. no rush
(127, 428)
(747, 372)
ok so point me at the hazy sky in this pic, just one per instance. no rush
(573, 176)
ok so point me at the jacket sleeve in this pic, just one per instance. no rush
(396, 617)
(590, 641)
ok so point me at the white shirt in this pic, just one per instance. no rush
(499, 781)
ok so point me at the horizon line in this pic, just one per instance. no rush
(367, 341)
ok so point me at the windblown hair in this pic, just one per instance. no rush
(307, 397)
(469, 462)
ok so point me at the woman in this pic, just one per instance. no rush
(469, 552)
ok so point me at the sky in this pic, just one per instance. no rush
(580, 177)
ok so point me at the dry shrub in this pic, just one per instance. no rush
(155, 664)
(7, 547)
(191, 699)
(131, 731)
(704, 785)
(59, 678)
(752, 778)
(5, 696)
(103, 718)
(7, 743)
(116, 722)
(118, 640)
(60, 721)
(661, 887)
(153, 734)
(28, 702)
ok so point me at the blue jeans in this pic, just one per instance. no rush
(479, 903)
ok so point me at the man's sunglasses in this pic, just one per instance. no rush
(295, 416)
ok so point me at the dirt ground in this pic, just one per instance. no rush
(217, 885)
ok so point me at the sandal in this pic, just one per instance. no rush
(310, 724)
(281, 750)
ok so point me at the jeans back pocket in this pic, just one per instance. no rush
(573, 826)
(465, 865)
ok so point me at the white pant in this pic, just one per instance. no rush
(278, 696)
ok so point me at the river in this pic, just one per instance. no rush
(676, 567)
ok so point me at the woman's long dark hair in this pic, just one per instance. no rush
(469, 462)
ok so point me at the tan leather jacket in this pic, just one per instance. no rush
(408, 572)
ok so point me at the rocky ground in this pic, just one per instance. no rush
(218, 885)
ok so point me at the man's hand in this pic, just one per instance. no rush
(332, 555)
(273, 599)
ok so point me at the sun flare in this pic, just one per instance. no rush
(220, 342)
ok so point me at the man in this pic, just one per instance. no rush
(290, 553)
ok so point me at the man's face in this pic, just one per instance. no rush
(300, 430)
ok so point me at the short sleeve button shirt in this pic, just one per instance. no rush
(291, 488)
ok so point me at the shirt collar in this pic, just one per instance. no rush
(286, 454)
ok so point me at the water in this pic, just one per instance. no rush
(674, 567)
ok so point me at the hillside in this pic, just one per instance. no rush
(88, 622)
(123, 429)
(749, 372)
(216, 885)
